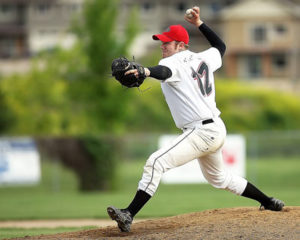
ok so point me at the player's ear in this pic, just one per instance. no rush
(182, 45)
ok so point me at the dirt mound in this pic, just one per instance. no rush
(233, 223)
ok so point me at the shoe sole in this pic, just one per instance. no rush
(115, 214)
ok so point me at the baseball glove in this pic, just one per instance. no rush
(121, 65)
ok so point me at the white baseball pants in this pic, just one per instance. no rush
(202, 142)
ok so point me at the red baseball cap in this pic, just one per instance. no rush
(173, 33)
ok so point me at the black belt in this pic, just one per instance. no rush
(207, 121)
(204, 122)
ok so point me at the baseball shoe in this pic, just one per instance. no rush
(274, 205)
(121, 216)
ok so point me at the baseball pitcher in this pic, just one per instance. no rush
(187, 82)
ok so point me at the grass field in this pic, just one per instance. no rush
(57, 196)
(21, 232)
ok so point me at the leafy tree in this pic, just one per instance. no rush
(38, 101)
(70, 92)
(98, 37)
(248, 108)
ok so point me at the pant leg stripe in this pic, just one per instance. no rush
(152, 174)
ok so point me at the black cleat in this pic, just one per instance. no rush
(122, 217)
(274, 205)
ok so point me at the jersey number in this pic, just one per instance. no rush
(202, 73)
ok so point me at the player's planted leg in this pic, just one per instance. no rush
(124, 217)
(140, 199)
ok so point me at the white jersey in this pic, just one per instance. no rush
(190, 91)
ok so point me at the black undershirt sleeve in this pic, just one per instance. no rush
(160, 72)
(213, 38)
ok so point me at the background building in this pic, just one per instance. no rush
(156, 15)
(261, 35)
(262, 39)
(28, 26)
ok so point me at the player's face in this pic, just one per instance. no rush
(169, 48)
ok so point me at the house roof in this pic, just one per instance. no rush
(261, 9)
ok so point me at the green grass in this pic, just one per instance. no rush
(22, 232)
(57, 198)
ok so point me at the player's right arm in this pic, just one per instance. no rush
(213, 38)
(210, 35)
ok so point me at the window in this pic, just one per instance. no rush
(254, 66)
(43, 8)
(6, 8)
(147, 6)
(181, 6)
(7, 47)
(259, 34)
(280, 29)
(279, 61)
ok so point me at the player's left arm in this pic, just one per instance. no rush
(158, 72)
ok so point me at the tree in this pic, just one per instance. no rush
(100, 42)
(73, 93)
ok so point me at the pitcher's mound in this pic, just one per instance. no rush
(233, 223)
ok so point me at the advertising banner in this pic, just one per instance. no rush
(19, 161)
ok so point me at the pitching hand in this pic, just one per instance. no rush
(195, 20)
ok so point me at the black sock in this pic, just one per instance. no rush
(138, 202)
(252, 192)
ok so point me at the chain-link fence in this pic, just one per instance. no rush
(273, 144)
(258, 144)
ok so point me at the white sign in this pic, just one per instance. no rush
(234, 156)
(19, 161)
